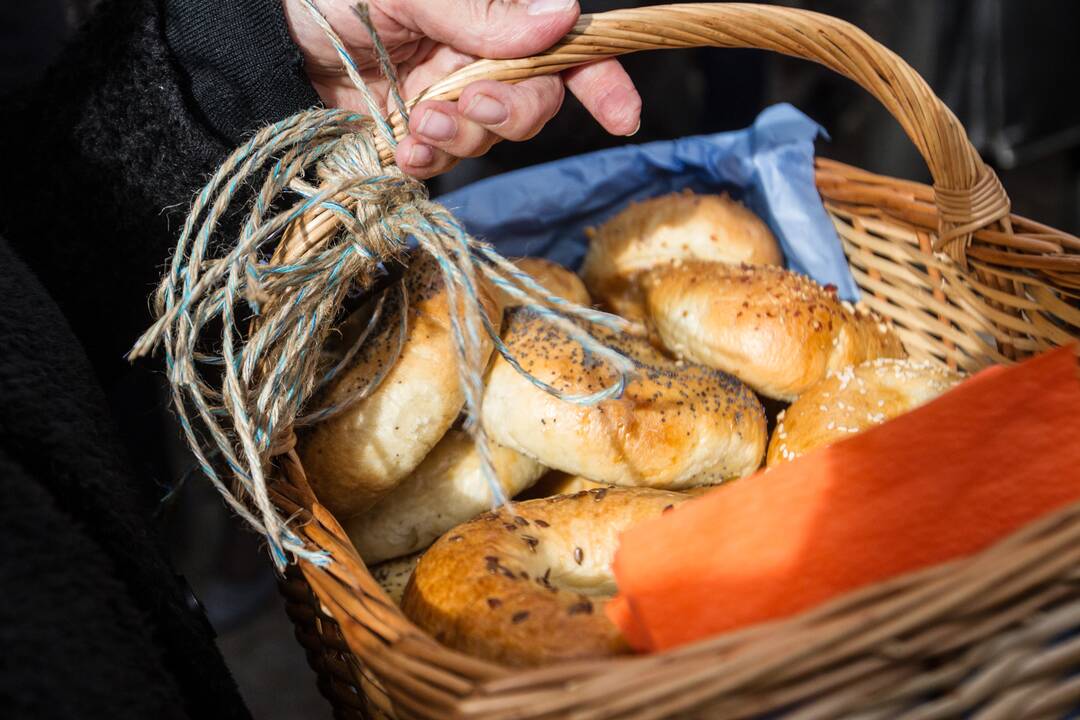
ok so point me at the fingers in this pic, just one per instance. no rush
(608, 93)
(440, 125)
(440, 132)
(422, 161)
(513, 112)
(490, 28)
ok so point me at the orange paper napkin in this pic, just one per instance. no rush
(995, 453)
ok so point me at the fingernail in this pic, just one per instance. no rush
(546, 7)
(437, 126)
(635, 130)
(486, 110)
(421, 156)
(621, 101)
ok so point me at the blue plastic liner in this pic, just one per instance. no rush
(544, 210)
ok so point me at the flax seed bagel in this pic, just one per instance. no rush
(528, 588)
(393, 575)
(776, 330)
(855, 399)
(679, 226)
(355, 458)
(677, 424)
(552, 276)
(446, 489)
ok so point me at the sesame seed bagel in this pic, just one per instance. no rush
(356, 457)
(447, 488)
(679, 226)
(528, 588)
(778, 331)
(552, 276)
(677, 424)
(393, 575)
(855, 399)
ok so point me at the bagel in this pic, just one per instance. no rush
(557, 279)
(676, 424)
(527, 587)
(556, 482)
(393, 575)
(356, 457)
(855, 399)
(778, 331)
(679, 226)
(446, 489)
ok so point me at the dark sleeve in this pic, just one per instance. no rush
(237, 62)
(80, 647)
(93, 621)
(104, 155)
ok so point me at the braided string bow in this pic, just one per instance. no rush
(242, 327)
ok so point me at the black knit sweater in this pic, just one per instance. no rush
(100, 161)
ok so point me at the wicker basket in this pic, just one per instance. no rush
(964, 281)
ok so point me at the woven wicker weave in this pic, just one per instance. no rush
(963, 279)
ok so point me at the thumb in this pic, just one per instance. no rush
(492, 28)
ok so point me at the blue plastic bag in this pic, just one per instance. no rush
(544, 210)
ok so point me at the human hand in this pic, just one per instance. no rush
(429, 39)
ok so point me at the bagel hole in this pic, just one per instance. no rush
(773, 408)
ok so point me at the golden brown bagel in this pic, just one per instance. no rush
(358, 456)
(552, 276)
(679, 226)
(556, 482)
(393, 575)
(446, 489)
(855, 399)
(677, 424)
(778, 331)
(529, 588)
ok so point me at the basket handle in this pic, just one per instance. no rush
(967, 192)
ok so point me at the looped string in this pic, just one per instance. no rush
(239, 394)
(317, 416)
(374, 109)
(385, 65)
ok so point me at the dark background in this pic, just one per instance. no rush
(1006, 67)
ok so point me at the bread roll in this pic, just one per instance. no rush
(679, 226)
(393, 575)
(855, 399)
(447, 489)
(677, 424)
(355, 458)
(554, 277)
(776, 330)
(528, 587)
(556, 482)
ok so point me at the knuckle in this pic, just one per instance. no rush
(473, 140)
(539, 102)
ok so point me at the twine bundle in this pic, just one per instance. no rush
(239, 393)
